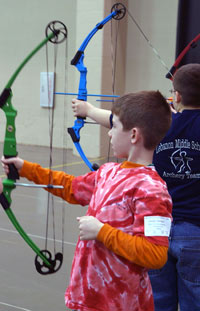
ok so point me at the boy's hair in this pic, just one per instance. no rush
(147, 110)
(187, 82)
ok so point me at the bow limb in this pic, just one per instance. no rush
(191, 44)
(118, 11)
(6, 201)
(44, 263)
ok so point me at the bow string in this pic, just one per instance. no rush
(56, 32)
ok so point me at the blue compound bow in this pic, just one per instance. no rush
(118, 11)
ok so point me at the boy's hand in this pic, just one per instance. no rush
(15, 160)
(80, 108)
(89, 227)
(84, 109)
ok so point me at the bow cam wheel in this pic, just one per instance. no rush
(59, 29)
(120, 9)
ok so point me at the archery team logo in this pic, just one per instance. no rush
(183, 159)
(181, 162)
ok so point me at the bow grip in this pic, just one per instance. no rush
(13, 172)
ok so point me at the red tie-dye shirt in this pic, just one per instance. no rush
(121, 197)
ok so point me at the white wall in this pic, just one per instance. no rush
(22, 27)
(157, 19)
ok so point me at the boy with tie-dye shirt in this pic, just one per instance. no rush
(125, 231)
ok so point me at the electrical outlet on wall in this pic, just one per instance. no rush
(47, 89)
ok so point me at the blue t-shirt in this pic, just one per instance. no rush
(177, 160)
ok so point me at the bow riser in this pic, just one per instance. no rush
(10, 148)
(82, 90)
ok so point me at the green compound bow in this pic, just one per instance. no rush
(56, 32)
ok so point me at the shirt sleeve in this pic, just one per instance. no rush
(83, 187)
(158, 205)
(136, 249)
(39, 175)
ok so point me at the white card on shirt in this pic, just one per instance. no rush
(157, 226)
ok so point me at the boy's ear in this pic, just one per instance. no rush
(135, 135)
